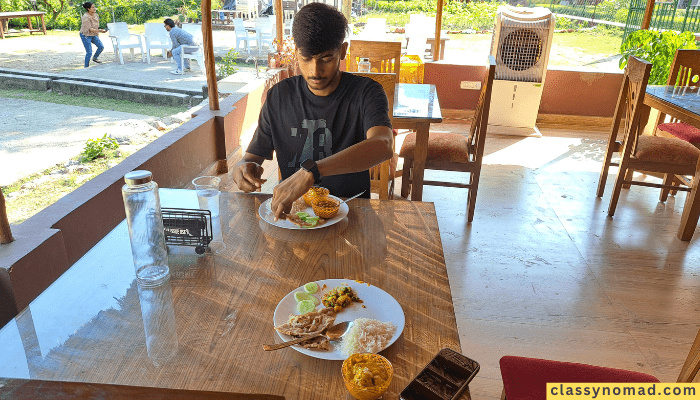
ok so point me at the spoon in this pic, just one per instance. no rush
(345, 201)
(333, 333)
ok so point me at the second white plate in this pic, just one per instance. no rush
(377, 303)
(268, 216)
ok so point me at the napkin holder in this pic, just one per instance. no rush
(445, 377)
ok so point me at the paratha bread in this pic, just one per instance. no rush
(309, 323)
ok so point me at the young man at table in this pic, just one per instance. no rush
(327, 127)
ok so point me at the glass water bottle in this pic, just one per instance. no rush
(364, 65)
(142, 206)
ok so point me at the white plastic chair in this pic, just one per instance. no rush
(193, 52)
(122, 39)
(417, 40)
(263, 30)
(243, 35)
(375, 30)
(156, 37)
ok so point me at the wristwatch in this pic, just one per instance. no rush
(310, 165)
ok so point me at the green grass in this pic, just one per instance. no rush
(590, 42)
(94, 102)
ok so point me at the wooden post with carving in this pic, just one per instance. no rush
(209, 60)
(5, 232)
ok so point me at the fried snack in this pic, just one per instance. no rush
(299, 205)
(311, 322)
(314, 192)
(325, 207)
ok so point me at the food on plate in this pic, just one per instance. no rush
(305, 220)
(299, 205)
(325, 207)
(314, 192)
(367, 376)
(306, 306)
(367, 336)
(311, 322)
(311, 287)
(340, 297)
(299, 296)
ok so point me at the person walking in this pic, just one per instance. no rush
(179, 37)
(89, 33)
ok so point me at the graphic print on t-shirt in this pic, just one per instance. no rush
(321, 146)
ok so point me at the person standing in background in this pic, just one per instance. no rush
(89, 31)
(179, 37)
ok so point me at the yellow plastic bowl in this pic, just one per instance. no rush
(325, 207)
(364, 393)
(314, 192)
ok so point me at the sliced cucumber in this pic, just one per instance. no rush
(316, 300)
(305, 306)
(301, 296)
(311, 287)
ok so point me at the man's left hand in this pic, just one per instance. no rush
(287, 191)
(170, 54)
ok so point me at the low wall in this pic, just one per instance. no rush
(48, 243)
(572, 92)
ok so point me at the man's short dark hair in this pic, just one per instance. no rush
(87, 5)
(318, 28)
(169, 22)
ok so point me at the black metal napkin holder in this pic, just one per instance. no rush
(188, 227)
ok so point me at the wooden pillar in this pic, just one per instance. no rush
(438, 29)
(347, 9)
(209, 56)
(646, 21)
(5, 232)
(279, 17)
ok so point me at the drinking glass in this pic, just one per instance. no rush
(207, 188)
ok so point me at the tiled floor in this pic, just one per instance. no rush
(542, 271)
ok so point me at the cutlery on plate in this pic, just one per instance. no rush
(332, 333)
(345, 201)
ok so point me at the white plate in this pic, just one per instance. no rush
(268, 216)
(379, 305)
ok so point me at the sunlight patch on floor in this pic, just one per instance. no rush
(535, 153)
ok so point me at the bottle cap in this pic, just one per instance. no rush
(138, 177)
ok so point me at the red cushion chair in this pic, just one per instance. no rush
(526, 378)
(682, 131)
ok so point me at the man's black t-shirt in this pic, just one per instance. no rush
(299, 125)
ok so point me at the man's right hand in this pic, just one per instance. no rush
(247, 176)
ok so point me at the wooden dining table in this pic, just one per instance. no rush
(682, 103)
(216, 311)
(416, 106)
(4, 16)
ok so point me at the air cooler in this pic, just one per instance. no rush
(522, 39)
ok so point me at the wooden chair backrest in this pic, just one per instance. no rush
(477, 131)
(384, 57)
(379, 175)
(388, 82)
(634, 86)
(686, 65)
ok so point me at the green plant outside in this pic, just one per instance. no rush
(227, 66)
(97, 148)
(658, 48)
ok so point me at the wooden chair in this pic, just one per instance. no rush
(686, 65)
(384, 57)
(454, 152)
(654, 154)
(382, 176)
(527, 378)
